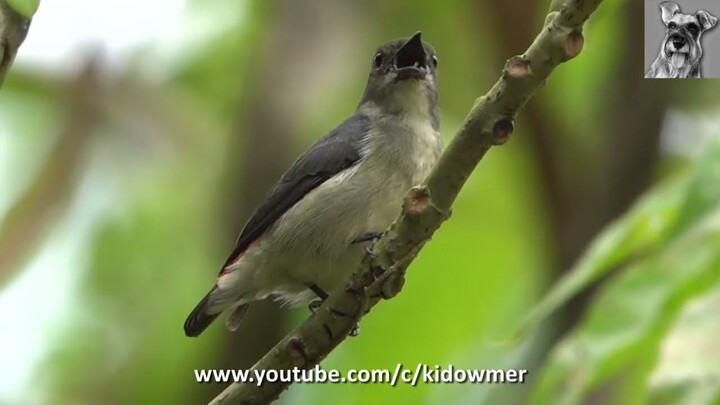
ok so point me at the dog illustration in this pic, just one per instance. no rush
(680, 51)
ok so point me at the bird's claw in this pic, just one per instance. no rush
(371, 237)
(370, 250)
(315, 305)
(368, 237)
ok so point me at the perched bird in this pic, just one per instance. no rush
(346, 188)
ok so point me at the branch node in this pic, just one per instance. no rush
(393, 284)
(337, 313)
(376, 271)
(368, 277)
(502, 130)
(296, 350)
(573, 44)
(355, 290)
(328, 331)
(549, 18)
(416, 200)
(517, 67)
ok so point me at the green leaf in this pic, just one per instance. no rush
(703, 192)
(626, 324)
(640, 230)
(654, 221)
(688, 372)
(667, 250)
(26, 8)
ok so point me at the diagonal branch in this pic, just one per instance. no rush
(490, 122)
(39, 207)
(13, 29)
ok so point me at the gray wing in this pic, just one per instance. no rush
(328, 156)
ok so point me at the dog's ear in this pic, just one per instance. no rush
(669, 9)
(706, 20)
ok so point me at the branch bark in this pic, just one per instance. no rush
(381, 276)
(13, 29)
(40, 206)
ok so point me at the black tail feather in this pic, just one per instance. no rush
(199, 319)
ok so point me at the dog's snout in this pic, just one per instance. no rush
(678, 41)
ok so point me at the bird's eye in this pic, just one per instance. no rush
(672, 25)
(377, 60)
(434, 61)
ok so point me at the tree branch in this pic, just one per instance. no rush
(40, 206)
(490, 122)
(13, 29)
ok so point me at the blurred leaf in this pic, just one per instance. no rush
(688, 371)
(25, 7)
(629, 319)
(658, 217)
(668, 251)
(642, 229)
(145, 265)
(703, 193)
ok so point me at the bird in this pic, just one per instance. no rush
(305, 238)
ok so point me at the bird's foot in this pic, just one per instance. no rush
(368, 237)
(314, 305)
(371, 237)
(322, 295)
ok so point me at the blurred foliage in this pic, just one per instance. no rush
(665, 253)
(150, 234)
(25, 7)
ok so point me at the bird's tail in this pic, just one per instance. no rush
(201, 317)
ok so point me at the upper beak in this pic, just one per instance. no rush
(411, 60)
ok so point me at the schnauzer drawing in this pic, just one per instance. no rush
(680, 51)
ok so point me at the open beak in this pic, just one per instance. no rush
(411, 60)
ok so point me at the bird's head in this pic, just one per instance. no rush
(403, 77)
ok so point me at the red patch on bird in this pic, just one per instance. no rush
(232, 260)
